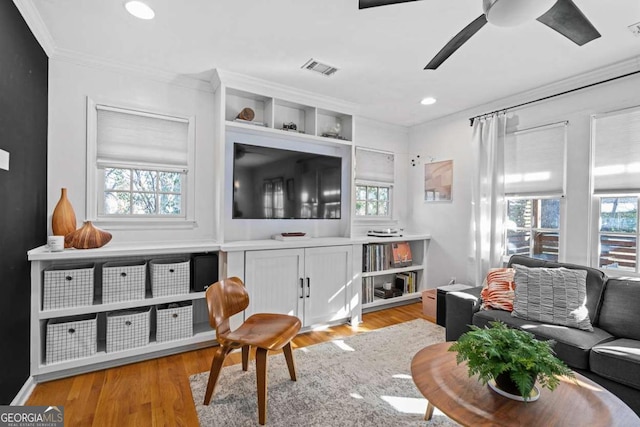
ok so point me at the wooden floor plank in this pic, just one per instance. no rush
(156, 392)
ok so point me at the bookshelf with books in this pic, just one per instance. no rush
(393, 270)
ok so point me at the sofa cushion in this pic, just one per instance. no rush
(572, 345)
(617, 360)
(498, 289)
(595, 280)
(551, 295)
(620, 313)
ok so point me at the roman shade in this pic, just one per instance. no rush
(616, 151)
(374, 165)
(535, 160)
(128, 137)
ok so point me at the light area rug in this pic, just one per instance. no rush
(362, 380)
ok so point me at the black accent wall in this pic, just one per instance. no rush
(23, 189)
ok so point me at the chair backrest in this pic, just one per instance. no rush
(224, 299)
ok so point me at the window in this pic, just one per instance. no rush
(138, 165)
(533, 227)
(534, 188)
(372, 200)
(616, 188)
(141, 192)
(618, 233)
(375, 176)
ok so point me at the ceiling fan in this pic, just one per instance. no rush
(562, 16)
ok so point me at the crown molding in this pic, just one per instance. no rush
(35, 23)
(277, 90)
(162, 76)
(596, 75)
(392, 127)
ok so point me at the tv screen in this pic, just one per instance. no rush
(273, 183)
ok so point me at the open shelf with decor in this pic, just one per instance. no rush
(387, 281)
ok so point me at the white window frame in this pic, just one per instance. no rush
(596, 195)
(537, 195)
(358, 181)
(363, 183)
(95, 173)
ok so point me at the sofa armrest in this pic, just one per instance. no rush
(461, 306)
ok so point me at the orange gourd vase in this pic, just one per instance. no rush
(63, 220)
(87, 237)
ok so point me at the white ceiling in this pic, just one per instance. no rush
(381, 52)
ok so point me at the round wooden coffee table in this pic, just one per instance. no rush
(447, 386)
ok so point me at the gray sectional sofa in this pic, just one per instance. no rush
(610, 355)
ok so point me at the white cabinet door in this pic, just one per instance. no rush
(273, 280)
(328, 276)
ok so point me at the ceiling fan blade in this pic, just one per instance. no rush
(364, 4)
(565, 18)
(457, 41)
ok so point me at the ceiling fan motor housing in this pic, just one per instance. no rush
(509, 13)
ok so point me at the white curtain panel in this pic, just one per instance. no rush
(487, 194)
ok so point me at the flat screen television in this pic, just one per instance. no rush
(274, 183)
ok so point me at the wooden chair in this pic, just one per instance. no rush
(263, 331)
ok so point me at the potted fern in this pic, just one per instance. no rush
(510, 360)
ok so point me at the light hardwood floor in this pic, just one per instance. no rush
(156, 392)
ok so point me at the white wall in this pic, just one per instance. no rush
(450, 138)
(69, 86)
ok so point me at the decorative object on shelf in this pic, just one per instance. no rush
(512, 359)
(63, 220)
(87, 237)
(401, 252)
(290, 126)
(296, 235)
(438, 181)
(246, 114)
(388, 232)
(334, 132)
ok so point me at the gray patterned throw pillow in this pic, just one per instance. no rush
(551, 295)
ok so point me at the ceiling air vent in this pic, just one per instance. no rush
(319, 67)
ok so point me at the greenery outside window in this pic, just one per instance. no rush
(373, 201)
(140, 167)
(618, 233)
(130, 192)
(533, 227)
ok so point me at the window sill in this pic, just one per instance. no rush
(145, 224)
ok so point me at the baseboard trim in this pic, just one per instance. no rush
(24, 393)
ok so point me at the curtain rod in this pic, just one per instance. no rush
(552, 96)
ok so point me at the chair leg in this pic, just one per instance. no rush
(216, 366)
(288, 355)
(245, 357)
(261, 375)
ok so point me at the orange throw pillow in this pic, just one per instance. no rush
(498, 289)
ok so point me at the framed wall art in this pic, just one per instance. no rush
(438, 181)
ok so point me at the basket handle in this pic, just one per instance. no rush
(123, 274)
(69, 278)
(174, 315)
(128, 323)
(171, 270)
(71, 331)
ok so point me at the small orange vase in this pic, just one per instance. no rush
(63, 220)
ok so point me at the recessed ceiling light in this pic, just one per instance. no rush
(139, 9)
(428, 100)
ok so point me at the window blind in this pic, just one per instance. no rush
(616, 151)
(373, 165)
(534, 160)
(127, 136)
